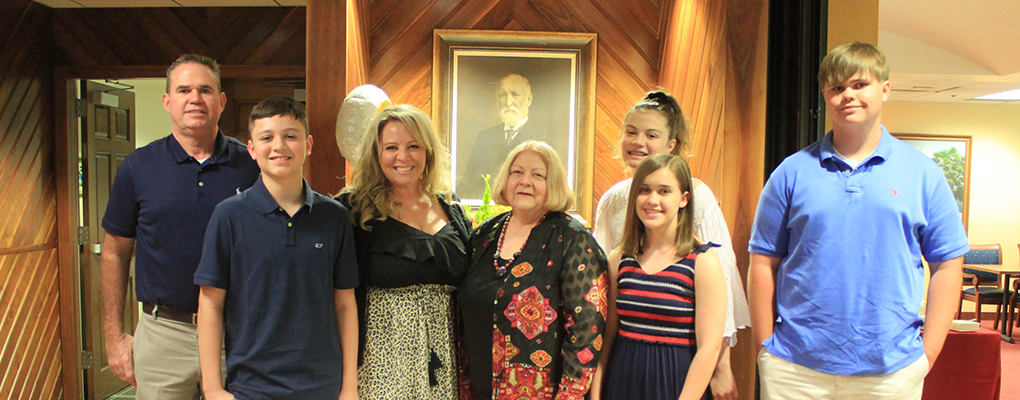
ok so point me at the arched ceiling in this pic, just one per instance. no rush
(950, 50)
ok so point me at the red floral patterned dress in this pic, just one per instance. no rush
(536, 331)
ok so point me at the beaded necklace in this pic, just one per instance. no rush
(501, 270)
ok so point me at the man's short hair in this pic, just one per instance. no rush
(197, 59)
(849, 59)
(284, 106)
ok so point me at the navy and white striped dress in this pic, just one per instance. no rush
(655, 343)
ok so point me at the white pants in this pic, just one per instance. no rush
(781, 379)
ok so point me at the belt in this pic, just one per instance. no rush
(158, 312)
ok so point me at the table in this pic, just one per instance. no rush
(1005, 272)
(969, 367)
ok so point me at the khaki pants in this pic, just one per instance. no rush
(166, 360)
(781, 379)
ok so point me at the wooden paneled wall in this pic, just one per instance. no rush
(30, 366)
(743, 160)
(693, 69)
(326, 71)
(157, 36)
(710, 54)
(629, 45)
(357, 43)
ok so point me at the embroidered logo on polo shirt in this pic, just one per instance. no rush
(895, 192)
(318, 245)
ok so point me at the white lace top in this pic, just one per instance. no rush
(709, 225)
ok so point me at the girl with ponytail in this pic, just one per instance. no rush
(656, 125)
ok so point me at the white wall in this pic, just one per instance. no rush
(152, 121)
(994, 168)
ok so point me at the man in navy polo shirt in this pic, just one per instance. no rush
(836, 279)
(161, 201)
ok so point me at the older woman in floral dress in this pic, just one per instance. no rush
(534, 300)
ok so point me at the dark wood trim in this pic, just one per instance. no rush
(68, 279)
(159, 71)
(743, 151)
(326, 83)
(27, 249)
(260, 71)
(795, 113)
(66, 166)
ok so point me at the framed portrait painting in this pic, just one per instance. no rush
(493, 90)
(952, 154)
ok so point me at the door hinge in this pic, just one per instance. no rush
(79, 108)
(86, 359)
(83, 234)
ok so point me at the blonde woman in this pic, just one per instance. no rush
(412, 241)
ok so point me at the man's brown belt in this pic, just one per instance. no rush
(169, 313)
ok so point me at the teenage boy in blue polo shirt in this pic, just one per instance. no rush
(277, 277)
(836, 279)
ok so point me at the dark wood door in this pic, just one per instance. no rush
(108, 136)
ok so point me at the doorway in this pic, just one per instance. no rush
(107, 120)
(82, 353)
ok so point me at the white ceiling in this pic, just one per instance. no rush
(938, 50)
(950, 50)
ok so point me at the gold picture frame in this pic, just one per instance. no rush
(952, 154)
(468, 71)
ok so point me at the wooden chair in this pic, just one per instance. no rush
(1012, 306)
(979, 286)
(1013, 298)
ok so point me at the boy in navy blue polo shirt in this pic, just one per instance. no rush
(277, 273)
(836, 276)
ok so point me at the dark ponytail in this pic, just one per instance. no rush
(667, 106)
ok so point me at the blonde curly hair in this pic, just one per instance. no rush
(369, 189)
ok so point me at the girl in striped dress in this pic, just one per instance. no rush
(667, 299)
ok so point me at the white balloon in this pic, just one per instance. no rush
(356, 113)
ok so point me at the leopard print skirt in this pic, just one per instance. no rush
(409, 344)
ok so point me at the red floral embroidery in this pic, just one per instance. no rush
(571, 389)
(521, 269)
(524, 383)
(541, 358)
(597, 295)
(530, 312)
(498, 351)
(511, 350)
(585, 356)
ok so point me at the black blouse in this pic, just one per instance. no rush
(535, 332)
(395, 255)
